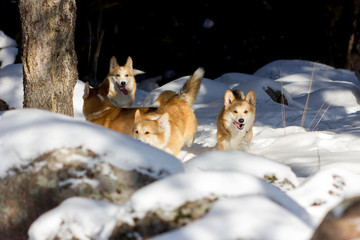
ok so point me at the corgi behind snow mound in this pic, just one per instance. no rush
(163, 98)
(235, 120)
(176, 124)
(122, 83)
(98, 109)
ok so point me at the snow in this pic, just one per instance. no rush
(79, 216)
(293, 174)
(194, 186)
(6, 41)
(20, 129)
(183, 187)
(11, 90)
(8, 50)
(234, 219)
(244, 162)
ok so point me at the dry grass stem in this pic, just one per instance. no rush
(315, 116)
(321, 117)
(283, 107)
(308, 96)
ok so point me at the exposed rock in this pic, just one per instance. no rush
(31, 190)
(284, 184)
(162, 220)
(343, 222)
(276, 96)
(3, 105)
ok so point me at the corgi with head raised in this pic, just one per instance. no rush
(122, 84)
(235, 120)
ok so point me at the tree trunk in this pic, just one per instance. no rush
(353, 54)
(49, 57)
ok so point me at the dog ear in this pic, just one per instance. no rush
(229, 98)
(129, 63)
(137, 116)
(163, 121)
(86, 90)
(250, 98)
(113, 63)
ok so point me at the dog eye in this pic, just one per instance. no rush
(246, 111)
(137, 132)
(235, 111)
(147, 133)
(118, 75)
(126, 75)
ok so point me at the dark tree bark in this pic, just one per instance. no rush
(353, 54)
(49, 57)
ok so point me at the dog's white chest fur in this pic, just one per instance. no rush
(119, 99)
(237, 138)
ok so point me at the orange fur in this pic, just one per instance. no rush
(176, 124)
(98, 109)
(163, 98)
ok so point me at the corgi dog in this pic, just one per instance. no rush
(176, 123)
(122, 83)
(235, 120)
(98, 109)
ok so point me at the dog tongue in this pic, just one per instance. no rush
(239, 125)
(123, 89)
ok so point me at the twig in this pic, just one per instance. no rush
(97, 54)
(308, 96)
(321, 117)
(100, 37)
(283, 107)
(90, 43)
(315, 116)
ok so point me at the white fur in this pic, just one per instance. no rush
(237, 135)
(167, 133)
(100, 97)
(99, 112)
(121, 100)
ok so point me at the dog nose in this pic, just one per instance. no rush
(123, 83)
(241, 120)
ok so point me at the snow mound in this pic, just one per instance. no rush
(282, 68)
(8, 50)
(20, 129)
(259, 85)
(326, 189)
(318, 149)
(239, 195)
(6, 41)
(8, 56)
(261, 167)
(248, 217)
(175, 190)
(78, 101)
(80, 217)
(328, 85)
(11, 85)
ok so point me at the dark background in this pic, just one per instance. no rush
(169, 37)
